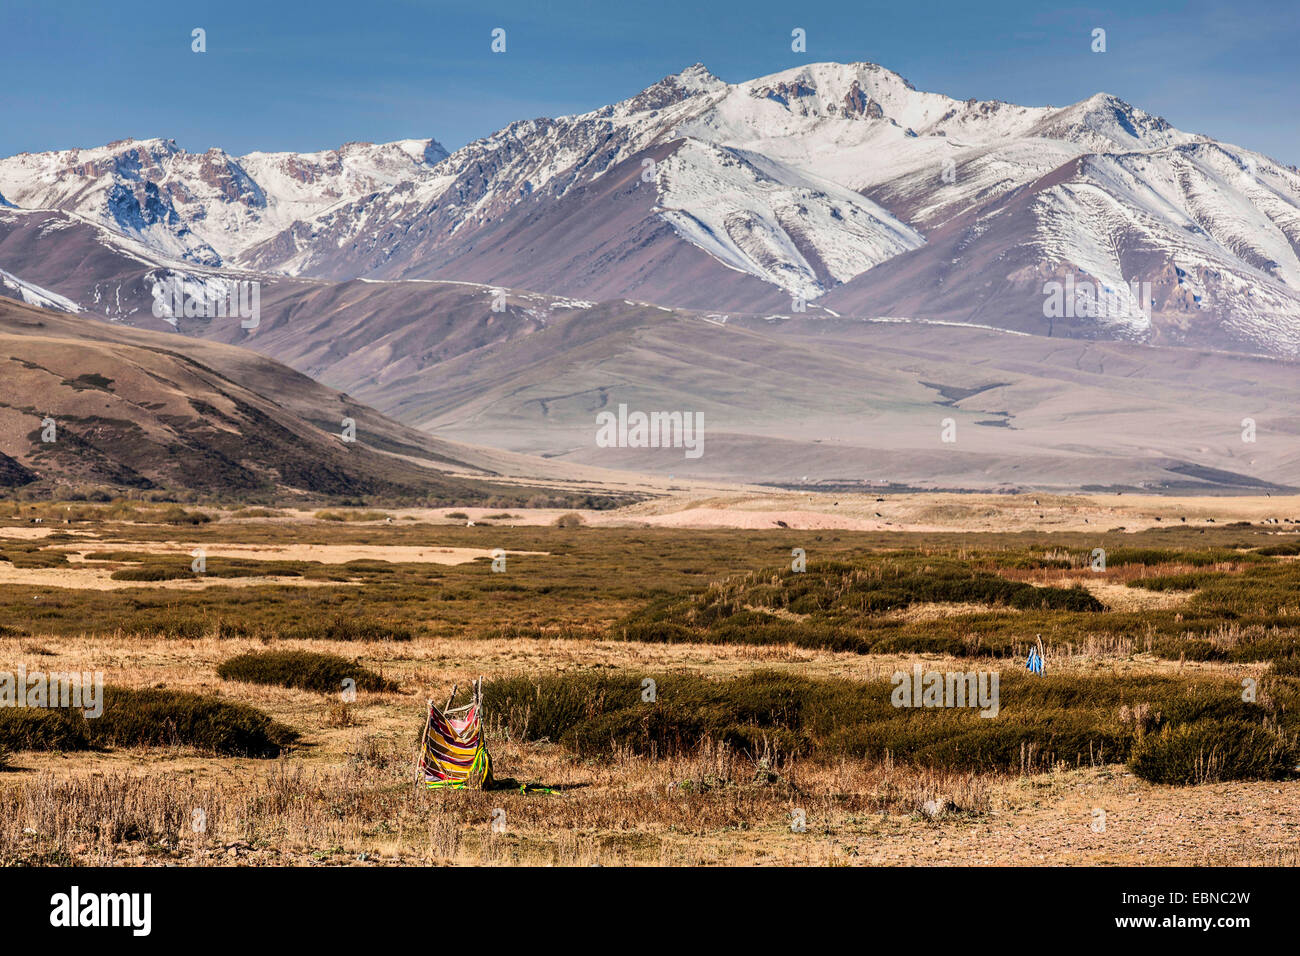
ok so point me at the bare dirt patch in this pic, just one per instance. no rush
(323, 553)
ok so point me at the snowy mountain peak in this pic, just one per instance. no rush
(864, 90)
(672, 89)
(207, 207)
(1104, 122)
(154, 145)
(698, 78)
(839, 182)
(434, 152)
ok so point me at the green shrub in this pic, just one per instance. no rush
(351, 515)
(836, 606)
(153, 572)
(343, 627)
(31, 555)
(159, 718)
(178, 515)
(1281, 550)
(31, 728)
(304, 669)
(1149, 557)
(1067, 718)
(148, 718)
(1208, 751)
(1287, 666)
(1172, 582)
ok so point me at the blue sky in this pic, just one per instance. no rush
(311, 75)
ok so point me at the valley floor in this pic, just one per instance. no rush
(344, 794)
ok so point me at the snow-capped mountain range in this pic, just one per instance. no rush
(207, 208)
(838, 184)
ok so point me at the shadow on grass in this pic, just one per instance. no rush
(511, 784)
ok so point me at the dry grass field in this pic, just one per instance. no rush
(698, 593)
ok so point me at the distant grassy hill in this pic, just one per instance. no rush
(144, 410)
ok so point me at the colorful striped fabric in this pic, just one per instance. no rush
(453, 752)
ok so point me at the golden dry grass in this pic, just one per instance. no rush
(346, 794)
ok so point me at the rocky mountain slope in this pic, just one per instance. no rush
(840, 185)
(839, 400)
(86, 404)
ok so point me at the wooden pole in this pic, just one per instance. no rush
(419, 754)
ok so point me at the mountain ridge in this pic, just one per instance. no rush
(86, 403)
(836, 187)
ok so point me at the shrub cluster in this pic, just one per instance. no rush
(838, 606)
(343, 627)
(1208, 751)
(1172, 730)
(148, 718)
(303, 669)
